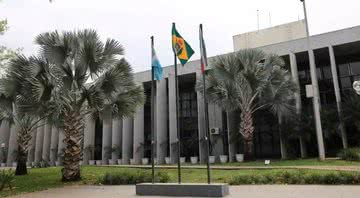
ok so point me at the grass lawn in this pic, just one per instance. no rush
(299, 162)
(42, 179)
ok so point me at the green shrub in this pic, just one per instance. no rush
(298, 177)
(350, 154)
(6, 179)
(129, 177)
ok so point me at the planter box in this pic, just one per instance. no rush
(98, 162)
(112, 162)
(119, 161)
(167, 160)
(223, 159)
(57, 163)
(194, 160)
(145, 161)
(212, 159)
(3, 164)
(14, 164)
(239, 157)
(182, 160)
(81, 163)
(91, 162)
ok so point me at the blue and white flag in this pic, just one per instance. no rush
(156, 66)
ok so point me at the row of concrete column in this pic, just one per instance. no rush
(45, 145)
(128, 133)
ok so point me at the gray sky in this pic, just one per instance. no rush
(132, 22)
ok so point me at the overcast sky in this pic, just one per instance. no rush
(132, 22)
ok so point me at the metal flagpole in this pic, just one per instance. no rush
(177, 114)
(207, 136)
(153, 88)
(316, 97)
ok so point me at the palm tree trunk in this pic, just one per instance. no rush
(247, 130)
(303, 149)
(72, 153)
(283, 149)
(23, 139)
(21, 168)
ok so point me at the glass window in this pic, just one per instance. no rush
(345, 82)
(344, 70)
(318, 73)
(327, 72)
(355, 68)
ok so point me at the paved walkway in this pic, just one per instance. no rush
(266, 191)
(217, 167)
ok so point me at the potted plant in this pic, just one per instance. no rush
(204, 144)
(194, 160)
(117, 150)
(132, 161)
(107, 155)
(182, 160)
(167, 160)
(239, 157)
(223, 159)
(3, 155)
(145, 161)
(89, 150)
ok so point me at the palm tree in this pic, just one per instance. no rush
(248, 80)
(87, 76)
(20, 108)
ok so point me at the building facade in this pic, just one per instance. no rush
(337, 56)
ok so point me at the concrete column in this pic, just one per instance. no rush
(106, 138)
(127, 139)
(230, 128)
(162, 139)
(316, 106)
(32, 145)
(39, 141)
(201, 120)
(138, 145)
(54, 144)
(4, 136)
(13, 144)
(116, 138)
(295, 76)
(47, 142)
(172, 117)
(89, 140)
(337, 95)
(61, 144)
(215, 121)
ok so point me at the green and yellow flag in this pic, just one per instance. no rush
(181, 48)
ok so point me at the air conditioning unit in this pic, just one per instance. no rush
(214, 131)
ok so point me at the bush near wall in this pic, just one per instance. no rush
(350, 154)
(125, 178)
(6, 179)
(298, 177)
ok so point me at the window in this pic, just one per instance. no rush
(355, 68)
(345, 82)
(327, 72)
(344, 70)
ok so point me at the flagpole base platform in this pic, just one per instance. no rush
(182, 190)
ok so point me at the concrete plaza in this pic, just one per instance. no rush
(254, 191)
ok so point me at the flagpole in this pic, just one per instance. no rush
(207, 136)
(153, 84)
(177, 116)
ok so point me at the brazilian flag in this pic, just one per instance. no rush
(181, 48)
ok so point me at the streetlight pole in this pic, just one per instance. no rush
(315, 86)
